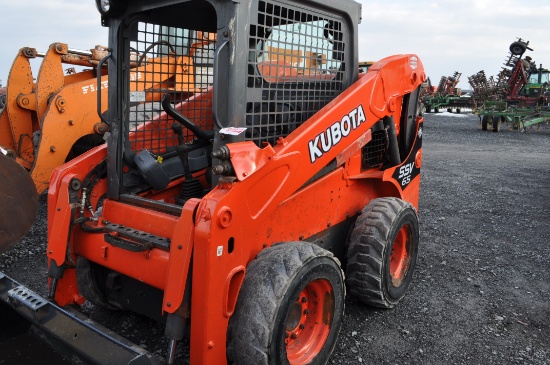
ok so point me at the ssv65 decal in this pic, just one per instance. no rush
(409, 170)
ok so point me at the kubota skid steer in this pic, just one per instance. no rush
(235, 214)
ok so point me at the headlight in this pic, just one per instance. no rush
(110, 7)
(104, 6)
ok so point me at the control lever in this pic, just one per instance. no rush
(197, 131)
(191, 187)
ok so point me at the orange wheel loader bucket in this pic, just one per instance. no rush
(18, 202)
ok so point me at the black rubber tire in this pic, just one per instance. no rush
(496, 123)
(517, 48)
(421, 109)
(83, 145)
(484, 122)
(270, 292)
(373, 240)
(449, 110)
(90, 279)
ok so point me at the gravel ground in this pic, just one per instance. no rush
(481, 290)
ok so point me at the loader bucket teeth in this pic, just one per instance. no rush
(18, 202)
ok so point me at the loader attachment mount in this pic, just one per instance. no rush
(18, 202)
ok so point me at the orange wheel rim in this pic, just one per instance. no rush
(308, 322)
(400, 256)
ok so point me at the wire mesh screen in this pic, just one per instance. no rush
(295, 68)
(168, 61)
(374, 152)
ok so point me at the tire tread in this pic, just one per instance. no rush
(257, 309)
(367, 248)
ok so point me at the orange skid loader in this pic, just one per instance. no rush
(52, 118)
(55, 118)
(236, 215)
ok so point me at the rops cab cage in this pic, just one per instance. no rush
(297, 61)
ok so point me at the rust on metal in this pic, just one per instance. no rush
(18, 202)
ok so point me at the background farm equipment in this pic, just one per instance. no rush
(483, 89)
(445, 96)
(365, 65)
(519, 96)
(3, 92)
(51, 118)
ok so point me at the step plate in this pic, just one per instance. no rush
(28, 298)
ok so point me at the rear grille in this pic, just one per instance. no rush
(374, 152)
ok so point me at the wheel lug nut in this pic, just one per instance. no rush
(302, 326)
(304, 300)
(306, 311)
(294, 336)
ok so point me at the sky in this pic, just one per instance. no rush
(463, 36)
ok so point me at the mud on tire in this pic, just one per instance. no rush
(290, 307)
(382, 252)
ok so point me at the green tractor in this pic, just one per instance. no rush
(519, 96)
